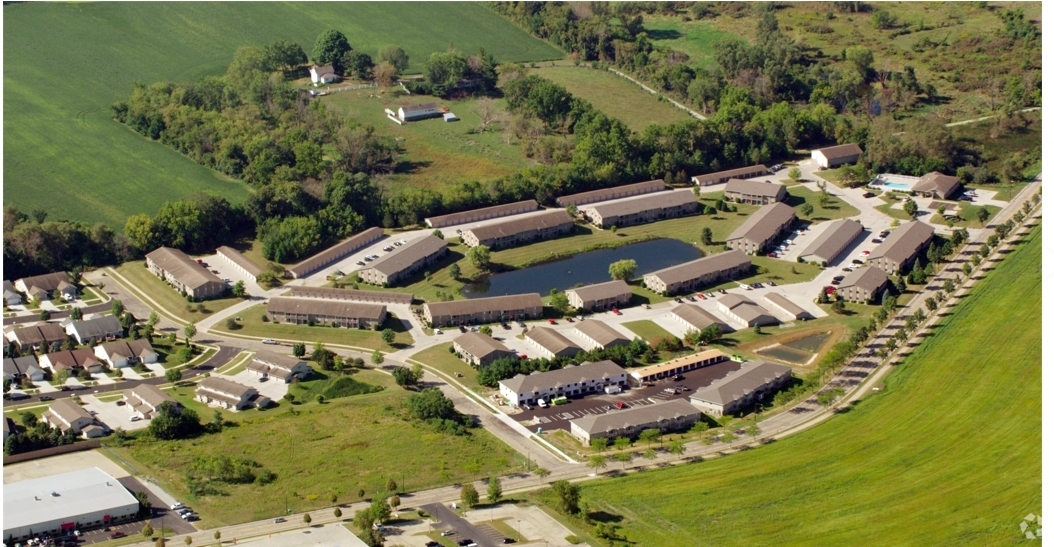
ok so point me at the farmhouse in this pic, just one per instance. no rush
(330, 293)
(58, 504)
(418, 112)
(755, 192)
(643, 209)
(674, 367)
(483, 310)
(550, 343)
(485, 213)
(697, 273)
(125, 353)
(513, 232)
(40, 336)
(44, 286)
(697, 318)
(478, 349)
(323, 74)
(144, 400)
(336, 252)
(275, 366)
(784, 304)
(72, 360)
(11, 296)
(899, 250)
(674, 415)
(832, 241)
(570, 381)
(602, 296)
(22, 367)
(303, 311)
(833, 156)
(184, 274)
(64, 414)
(404, 261)
(937, 185)
(711, 179)
(228, 394)
(615, 192)
(99, 328)
(864, 285)
(744, 312)
(240, 262)
(599, 335)
(741, 389)
(762, 228)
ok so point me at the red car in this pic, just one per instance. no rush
(620, 405)
(552, 321)
(701, 296)
(117, 535)
(615, 311)
(830, 289)
(772, 255)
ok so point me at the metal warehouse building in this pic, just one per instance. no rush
(78, 499)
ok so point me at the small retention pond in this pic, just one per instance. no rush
(799, 351)
(585, 268)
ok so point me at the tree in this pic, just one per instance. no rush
(44, 315)
(861, 58)
(190, 331)
(357, 64)
(388, 335)
(148, 530)
(170, 423)
(403, 376)
(542, 473)
(838, 307)
(806, 209)
(377, 357)
(757, 328)
(395, 56)
(902, 285)
(337, 512)
(330, 46)
(567, 496)
(116, 307)
(307, 518)
(910, 207)
(445, 69)
(700, 428)
(486, 329)
(676, 447)
(649, 454)
(238, 289)
(623, 269)
(479, 256)
(623, 457)
(649, 436)
(283, 55)
(622, 443)
(728, 437)
(469, 495)
(794, 174)
(187, 540)
(173, 375)
(598, 462)
(494, 490)
(753, 430)
(707, 236)
(559, 301)
(385, 74)
(823, 298)
(455, 271)
(931, 303)
(299, 350)
(983, 215)
(395, 502)
(599, 444)
(216, 535)
(76, 314)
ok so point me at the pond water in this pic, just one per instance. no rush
(789, 355)
(585, 268)
(809, 343)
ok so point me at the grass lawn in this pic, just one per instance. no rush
(59, 132)
(944, 454)
(440, 358)
(835, 208)
(236, 365)
(999, 147)
(252, 324)
(696, 38)
(332, 385)
(967, 216)
(615, 96)
(887, 209)
(319, 451)
(167, 297)
(648, 329)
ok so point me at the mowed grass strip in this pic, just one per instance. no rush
(252, 324)
(945, 454)
(167, 297)
(440, 358)
(647, 329)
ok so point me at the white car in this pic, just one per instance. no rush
(744, 286)
(134, 419)
(437, 331)
(270, 341)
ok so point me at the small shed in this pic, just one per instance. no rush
(450, 117)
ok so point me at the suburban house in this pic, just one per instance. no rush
(937, 185)
(674, 367)
(323, 74)
(513, 307)
(330, 293)
(864, 285)
(696, 318)
(144, 400)
(832, 241)
(550, 343)
(692, 275)
(64, 414)
(674, 415)
(303, 311)
(478, 349)
(340, 250)
(184, 273)
(762, 229)
(740, 390)
(40, 336)
(615, 192)
(784, 304)
(509, 233)
(71, 360)
(744, 312)
(44, 286)
(599, 335)
(229, 394)
(240, 262)
(711, 179)
(570, 381)
(755, 192)
(601, 296)
(642, 209)
(902, 247)
(100, 328)
(11, 296)
(275, 366)
(418, 112)
(22, 367)
(833, 156)
(125, 353)
(404, 261)
(486, 213)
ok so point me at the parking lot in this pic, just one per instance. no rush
(112, 415)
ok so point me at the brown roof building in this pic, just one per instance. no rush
(330, 293)
(833, 156)
(755, 192)
(123, 353)
(184, 273)
(344, 314)
(831, 242)
(785, 305)
(240, 262)
(38, 336)
(643, 209)
(744, 312)
(144, 400)
(404, 261)
(483, 310)
(692, 275)
(268, 364)
(602, 296)
(697, 318)
(229, 394)
(615, 192)
(674, 415)
(599, 335)
(521, 230)
(762, 228)
(550, 343)
(336, 252)
(711, 179)
(864, 285)
(479, 349)
(902, 247)
(937, 185)
(64, 414)
(72, 359)
(43, 286)
(741, 389)
(485, 213)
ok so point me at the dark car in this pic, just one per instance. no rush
(869, 194)
(857, 261)
(847, 269)
(432, 544)
(46, 397)
(464, 542)
(839, 277)
(876, 240)
(884, 233)
(117, 535)
(508, 540)
(15, 396)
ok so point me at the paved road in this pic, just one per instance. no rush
(56, 314)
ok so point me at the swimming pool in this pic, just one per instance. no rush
(894, 185)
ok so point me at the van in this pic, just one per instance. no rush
(542, 403)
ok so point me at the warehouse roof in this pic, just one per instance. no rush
(552, 340)
(62, 497)
(611, 193)
(703, 266)
(480, 345)
(698, 317)
(335, 308)
(903, 242)
(833, 239)
(636, 415)
(647, 202)
(486, 212)
(566, 376)
(754, 188)
(600, 332)
(241, 260)
(336, 252)
(764, 223)
(182, 267)
(478, 305)
(602, 291)
(740, 383)
(403, 257)
(351, 294)
(555, 217)
(678, 362)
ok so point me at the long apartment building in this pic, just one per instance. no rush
(184, 273)
(246, 267)
(835, 238)
(275, 366)
(601, 296)
(741, 389)
(762, 229)
(330, 293)
(674, 367)
(720, 177)
(335, 253)
(615, 192)
(570, 381)
(744, 312)
(303, 311)
(485, 213)
(229, 394)
(674, 415)
(599, 335)
(899, 251)
(494, 309)
(754, 192)
(692, 275)
(517, 231)
(404, 261)
(551, 343)
(479, 349)
(696, 318)
(864, 285)
(642, 209)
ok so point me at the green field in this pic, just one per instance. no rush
(332, 449)
(66, 63)
(615, 96)
(696, 38)
(647, 329)
(440, 358)
(252, 324)
(945, 454)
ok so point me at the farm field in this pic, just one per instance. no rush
(58, 133)
(942, 455)
(318, 451)
(615, 96)
(252, 324)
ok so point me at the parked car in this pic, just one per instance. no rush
(772, 255)
(865, 253)
(134, 419)
(15, 396)
(542, 403)
(45, 397)
(177, 506)
(118, 534)
(270, 341)
(508, 540)
(615, 311)
(437, 331)
(552, 321)
(847, 269)
(857, 261)
(521, 324)
(772, 283)
(839, 277)
(710, 294)
(678, 300)
(744, 286)
(884, 233)
(835, 282)
(691, 298)
(722, 291)
(570, 319)
(829, 289)
(431, 544)
(869, 194)
(620, 405)
(279, 519)
(876, 240)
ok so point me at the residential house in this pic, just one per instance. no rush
(485, 213)
(675, 415)
(303, 311)
(601, 296)
(404, 261)
(11, 296)
(517, 231)
(144, 400)
(785, 305)
(241, 263)
(323, 74)
(103, 327)
(742, 389)
(696, 318)
(64, 414)
(899, 251)
(550, 343)
(478, 349)
(833, 156)
(720, 177)
(229, 394)
(762, 229)
(44, 286)
(694, 274)
(600, 335)
(330, 293)
(642, 209)
(275, 366)
(865, 285)
(755, 192)
(72, 361)
(570, 381)
(937, 185)
(676, 367)
(834, 239)
(516, 307)
(744, 312)
(615, 192)
(126, 353)
(40, 336)
(184, 274)
(418, 112)
(335, 253)
(22, 367)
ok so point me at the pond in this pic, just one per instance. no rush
(810, 343)
(585, 268)
(799, 351)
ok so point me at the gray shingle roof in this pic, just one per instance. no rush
(602, 291)
(754, 188)
(336, 252)
(903, 242)
(700, 267)
(743, 307)
(764, 223)
(48, 282)
(552, 340)
(753, 170)
(737, 384)
(330, 293)
(403, 257)
(527, 383)
(97, 327)
(785, 304)
(936, 181)
(241, 260)
(182, 267)
(480, 345)
(477, 305)
(600, 332)
(224, 386)
(332, 308)
(636, 416)
(840, 151)
(647, 202)
(548, 219)
(152, 395)
(868, 279)
(612, 192)
(833, 239)
(484, 213)
(698, 317)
